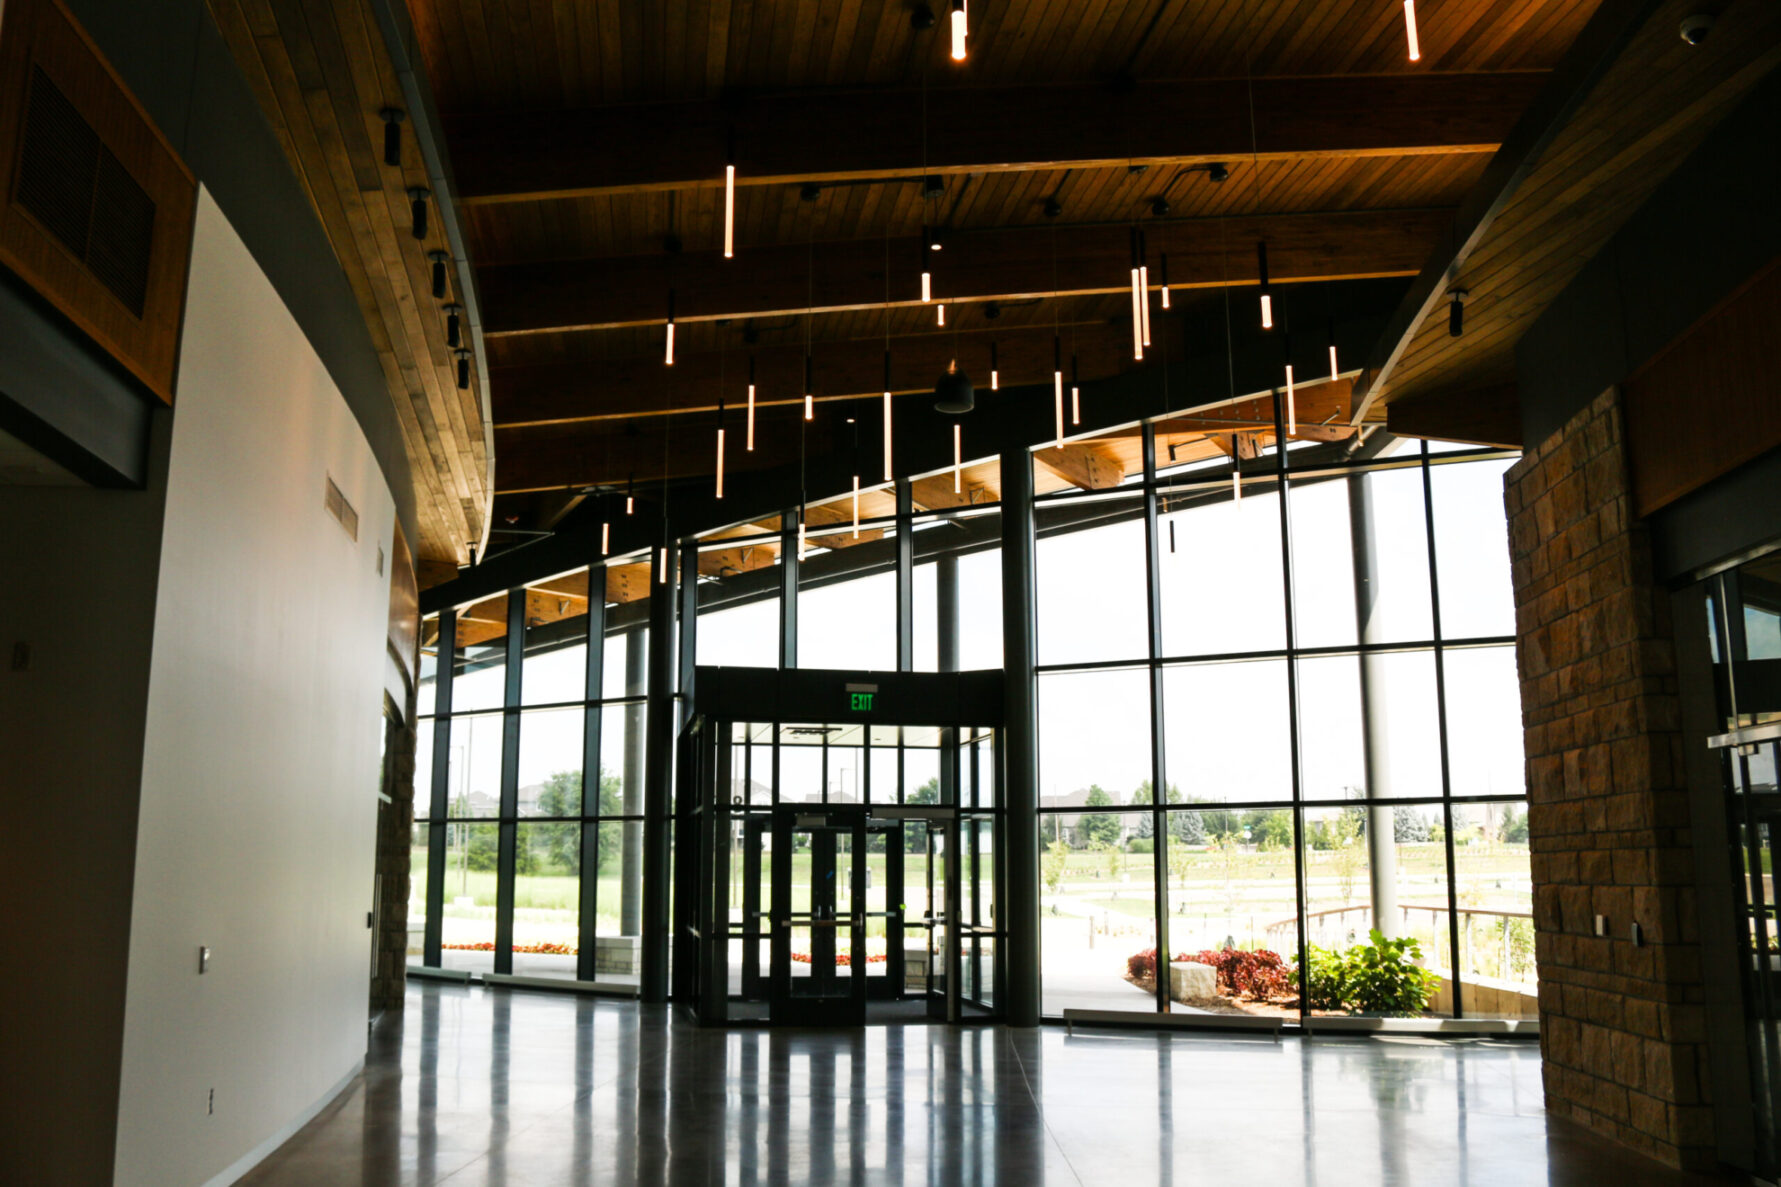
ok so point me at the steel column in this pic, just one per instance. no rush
(1020, 737)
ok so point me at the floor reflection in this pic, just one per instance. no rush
(476, 1085)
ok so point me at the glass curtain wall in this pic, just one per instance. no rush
(517, 868)
(1321, 674)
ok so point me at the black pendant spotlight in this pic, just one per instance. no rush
(417, 196)
(953, 392)
(454, 333)
(1456, 312)
(439, 258)
(392, 135)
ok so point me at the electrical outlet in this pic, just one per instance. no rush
(1601, 925)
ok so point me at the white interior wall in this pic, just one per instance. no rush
(257, 822)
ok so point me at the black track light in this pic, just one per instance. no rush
(1456, 312)
(1052, 208)
(454, 332)
(439, 259)
(392, 135)
(463, 370)
(417, 197)
(1218, 173)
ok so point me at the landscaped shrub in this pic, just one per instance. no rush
(1141, 966)
(1382, 977)
(1260, 974)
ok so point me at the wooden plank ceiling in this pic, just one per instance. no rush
(589, 142)
(1650, 109)
(589, 138)
(323, 76)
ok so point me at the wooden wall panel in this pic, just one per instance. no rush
(42, 43)
(1711, 400)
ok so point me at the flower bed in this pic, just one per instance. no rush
(545, 949)
(842, 959)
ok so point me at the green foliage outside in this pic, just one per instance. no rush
(1382, 977)
(1097, 828)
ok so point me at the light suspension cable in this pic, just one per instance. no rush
(1261, 268)
(1292, 418)
(887, 416)
(669, 359)
(631, 493)
(1137, 311)
(1165, 280)
(995, 376)
(730, 199)
(720, 419)
(1144, 284)
(1057, 383)
(958, 457)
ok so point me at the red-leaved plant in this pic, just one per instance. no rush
(1260, 974)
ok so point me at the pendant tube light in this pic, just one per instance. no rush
(605, 537)
(1057, 384)
(1333, 368)
(927, 273)
(730, 199)
(809, 394)
(856, 506)
(1292, 418)
(958, 30)
(1410, 30)
(942, 309)
(995, 376)
(720, 447)
(1261, 267)
(1144, 284)
(662, 565)
(802, 527)
(958, 458)
(669, 356)
(1236, 470)
(631, 494)
(750, 403)
(1165, 280)
(1075, 392)
(887, 417)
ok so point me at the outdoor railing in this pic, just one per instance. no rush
(1327, 929)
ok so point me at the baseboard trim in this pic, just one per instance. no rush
(285, 1132)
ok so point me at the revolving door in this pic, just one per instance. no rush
(834, 873)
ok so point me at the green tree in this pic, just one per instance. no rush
(1269, 830)
(1515, 827)
(557, 846)
(927, 793)
(1057, 859)
(1097, 827)
(1145, 828)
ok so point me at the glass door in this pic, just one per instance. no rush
(943, 902)
(819, 917)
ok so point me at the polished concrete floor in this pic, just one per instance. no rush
(476, 1085)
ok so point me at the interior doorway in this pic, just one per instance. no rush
(841, 873)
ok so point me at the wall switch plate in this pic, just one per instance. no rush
(1601, 925)
(204, 959)
(1638, 936)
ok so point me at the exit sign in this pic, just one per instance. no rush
(861, 697)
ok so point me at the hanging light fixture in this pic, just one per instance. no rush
(605, 534)
(662, 563)
(1165, 280)
(958, 30)
(958, 458)
(1236, 468)
(631, 493)
(1456, 312)
(730, 199)
(809, 388)
(1137, 309)
(751, 403)
(802, 527)
(1410, 30)
(1144, 284)
(1057, 383)
(417, 208)
(1333, 368)
(995, 376)
(454, 333)
(669, 358)
(1075, 390)
(942, 308)
(928, 244)
(463, 370)
(887, 417)
(1261, 267)
(954, 393)
(1292, 417)
(720, 447)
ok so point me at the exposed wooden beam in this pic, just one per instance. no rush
(606, 389)
(806, 136)
(1087, 466)
(1004, 265)
(1478, 416)
(596, 453)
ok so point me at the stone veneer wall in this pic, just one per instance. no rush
(395, 838)
(1621, 1025)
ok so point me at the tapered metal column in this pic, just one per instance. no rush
(1020, 737)
(1382, 846)
(658, 778)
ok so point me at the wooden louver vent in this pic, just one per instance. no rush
(83, 195)
(95, 207)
